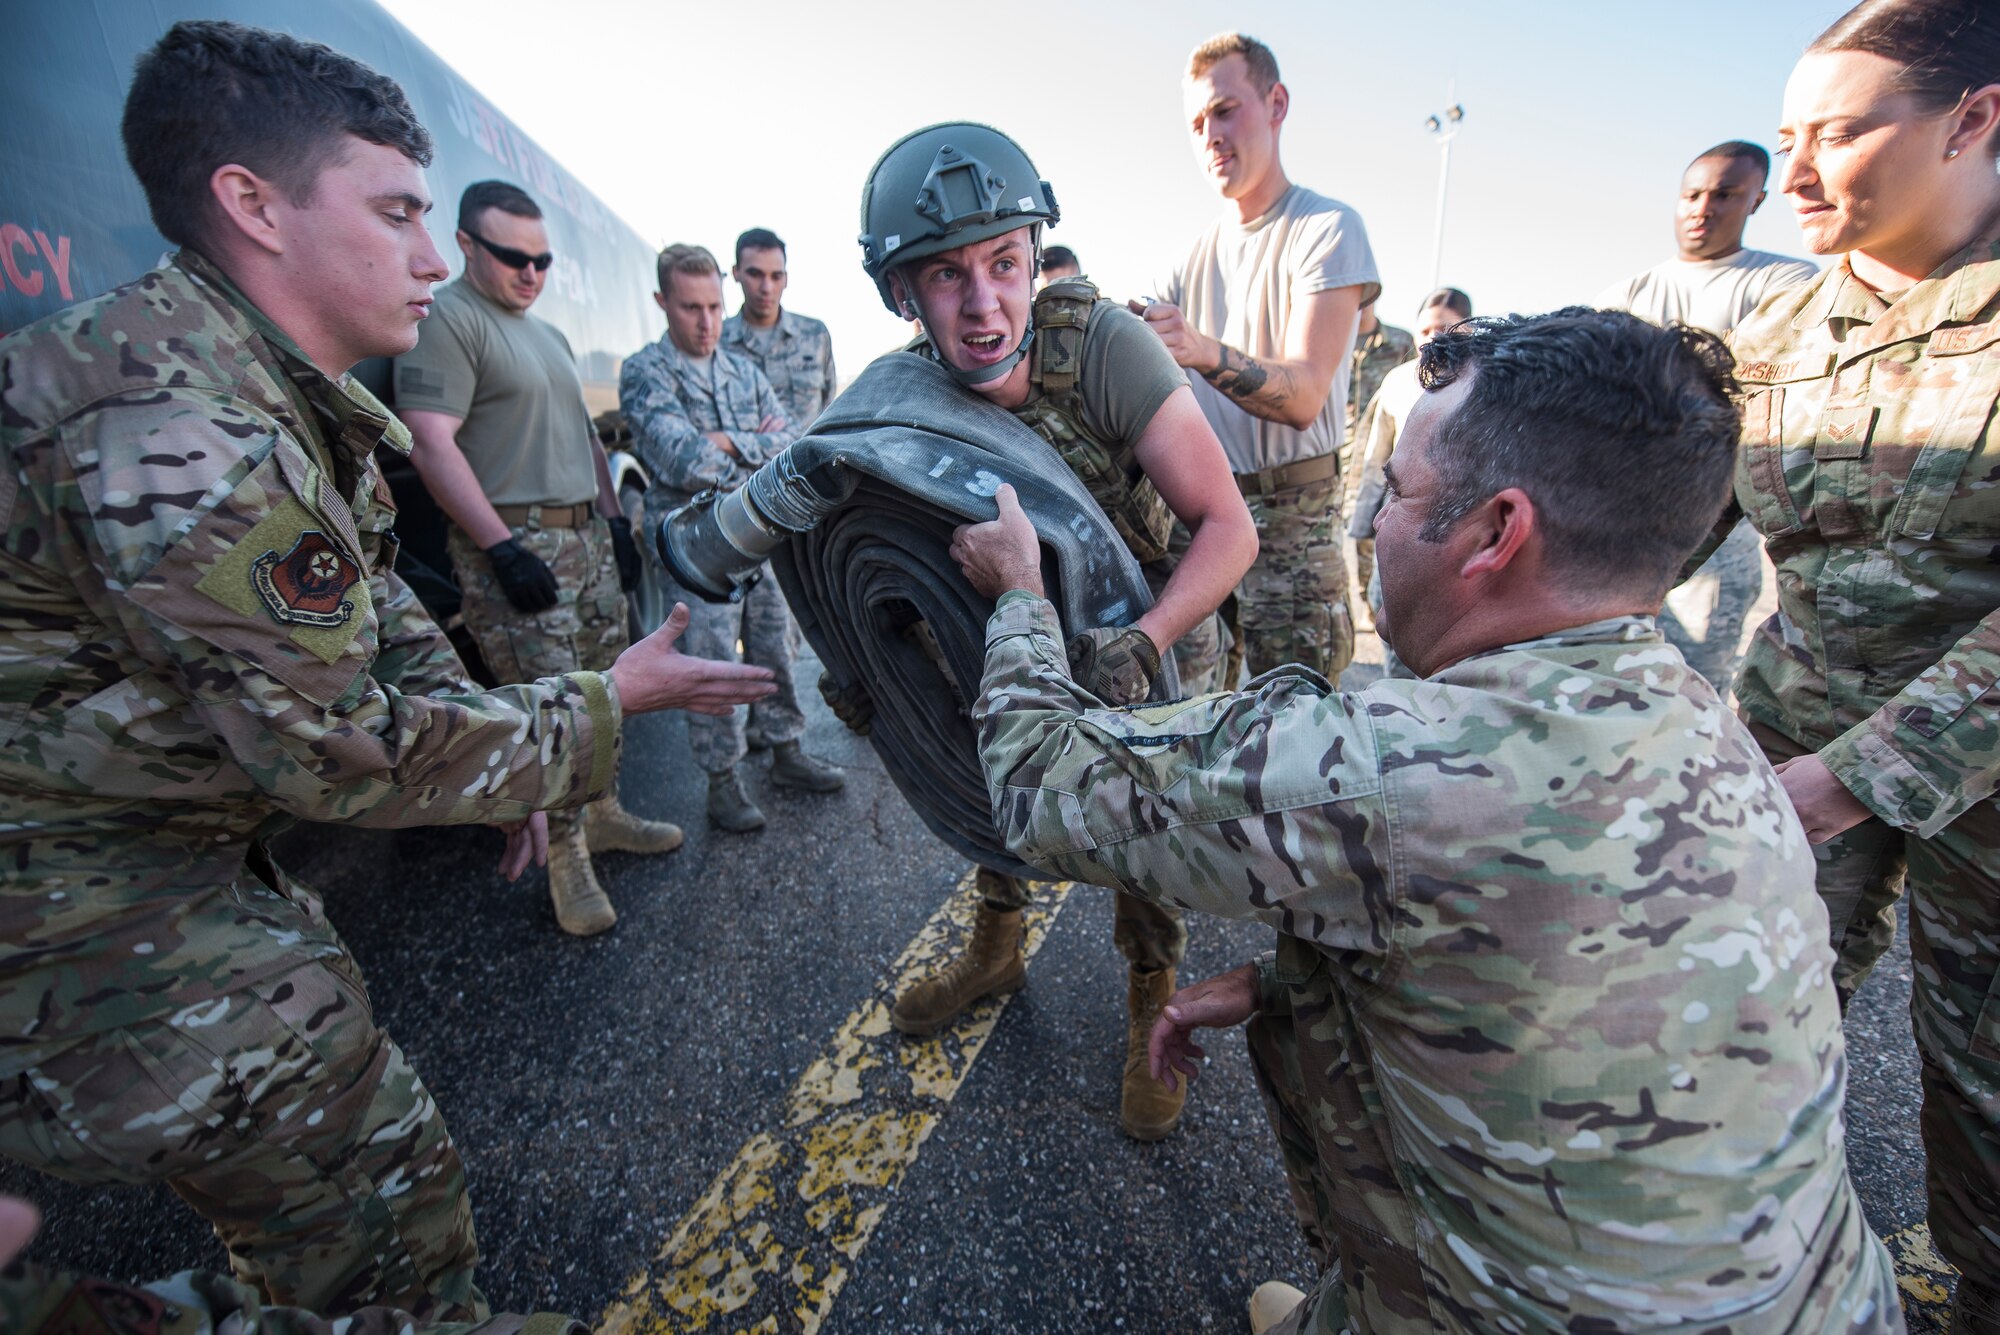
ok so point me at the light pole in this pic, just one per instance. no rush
(1443, 127)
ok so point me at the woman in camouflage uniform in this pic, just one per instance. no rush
(1871, 466)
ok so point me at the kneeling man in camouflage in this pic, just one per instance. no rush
(1549, 1038)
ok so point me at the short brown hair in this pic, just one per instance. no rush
(502, 195)
(683, 258)
(210, 93)
(1263, 65)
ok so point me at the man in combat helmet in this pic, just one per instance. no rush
(951, 223)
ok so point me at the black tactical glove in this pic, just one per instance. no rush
(527, 580)
(851, 705)
(1117, 664)
(626, 552)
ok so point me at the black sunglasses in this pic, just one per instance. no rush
(512, 258)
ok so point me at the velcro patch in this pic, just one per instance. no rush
(287, 569)
(307, 586)
(1843, 433)
(1946, 342)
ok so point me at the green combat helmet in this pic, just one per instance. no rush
(948, 186)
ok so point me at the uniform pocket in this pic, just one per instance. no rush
(133, 1106)
(287, 1046)
(1954, 483)
(1760, 465)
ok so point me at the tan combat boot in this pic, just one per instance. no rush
(610, 828)
(1147, 1109)
(582, 907)
(993, 964)
(1273, 1301)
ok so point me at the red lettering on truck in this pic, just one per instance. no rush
(25, 275)
(58, 258)
(14, 237)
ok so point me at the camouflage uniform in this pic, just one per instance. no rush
(668, 405)
(37, 1301)
(1151, 936)
(798, 363)
(1549, 1037)
(1728, 584)
(1375, 354)
(1375, 440)
(202, 637)
(584, 632)
(1869, 464)
(1292, 605)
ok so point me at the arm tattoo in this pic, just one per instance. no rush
(1249, 381)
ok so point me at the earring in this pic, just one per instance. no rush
(1950, 153)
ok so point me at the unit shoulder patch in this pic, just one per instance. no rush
(307, 586)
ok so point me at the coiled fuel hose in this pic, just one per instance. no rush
(856, 520)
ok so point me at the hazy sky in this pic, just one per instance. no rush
(694, 122)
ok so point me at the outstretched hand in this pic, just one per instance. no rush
(654, 674)
(1000, 554)
(1221, 1002)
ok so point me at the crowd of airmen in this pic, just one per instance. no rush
(1550, 1036)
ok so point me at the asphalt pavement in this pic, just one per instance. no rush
(651, 1119)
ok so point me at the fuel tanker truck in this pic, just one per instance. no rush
(73, 221)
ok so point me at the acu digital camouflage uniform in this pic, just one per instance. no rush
(202, 637)
(1375, 355)
(1727, 586)
(797, 358)
(1871, 465)
(1549, 1039)
(669, 405)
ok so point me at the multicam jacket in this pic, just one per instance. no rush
(670, 406)
(799, 364)
(1549, 942)
(1871, 466)
(202, 637)
(1375, 355)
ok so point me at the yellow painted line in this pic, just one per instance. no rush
(1924, 1277)
(770, 1243)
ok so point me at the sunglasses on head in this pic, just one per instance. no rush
(512, 258)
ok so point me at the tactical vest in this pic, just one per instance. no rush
(1108, 470)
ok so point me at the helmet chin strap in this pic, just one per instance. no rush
(988, 374)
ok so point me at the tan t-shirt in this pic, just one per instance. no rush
(1239, 285)
(512, 377)
(1708, 294)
